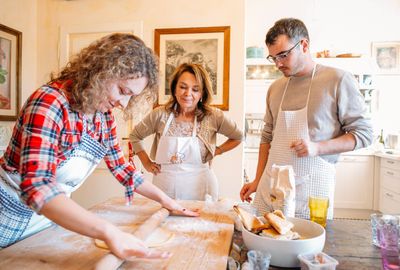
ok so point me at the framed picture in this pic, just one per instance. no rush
(10, 72)
(209, 46)
(387, 57)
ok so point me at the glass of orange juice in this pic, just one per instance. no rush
(318, 209)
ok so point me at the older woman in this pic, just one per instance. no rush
(63, 131)
(185, 137)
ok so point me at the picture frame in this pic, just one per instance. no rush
(209, 46)
(10, 72)
(387, 57)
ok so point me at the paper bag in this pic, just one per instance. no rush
(283, 189)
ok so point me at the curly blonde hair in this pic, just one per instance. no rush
(204, 81)
(114, 57)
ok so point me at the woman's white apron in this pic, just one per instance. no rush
(17, 221)
(314, 175)
(183, 174)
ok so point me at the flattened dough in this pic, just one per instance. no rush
(158, 238)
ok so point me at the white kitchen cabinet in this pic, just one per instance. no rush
(389, 199)
(354, 182)
(250, 162)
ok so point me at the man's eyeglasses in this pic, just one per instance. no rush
(281, 55)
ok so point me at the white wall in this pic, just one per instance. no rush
(340, 26)
(21, 15)
(156, 14)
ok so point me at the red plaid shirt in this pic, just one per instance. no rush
(44, 135)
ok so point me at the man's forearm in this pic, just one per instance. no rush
(343, 143)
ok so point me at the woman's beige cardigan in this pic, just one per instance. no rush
(211, 124)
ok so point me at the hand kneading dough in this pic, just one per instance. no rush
(159, 237)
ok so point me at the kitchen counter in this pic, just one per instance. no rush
(385, 153)
(388, 153)
(348, 241)
(197, 243)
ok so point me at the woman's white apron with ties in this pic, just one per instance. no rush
(183, 175)
(17, 220)
(314, 175)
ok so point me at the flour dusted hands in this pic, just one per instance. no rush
(176, 209)
(125, 245)
(305, 148)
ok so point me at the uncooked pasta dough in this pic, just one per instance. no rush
(159, 237)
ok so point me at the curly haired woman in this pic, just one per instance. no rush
(63, 131)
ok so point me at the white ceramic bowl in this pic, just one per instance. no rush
(284, 252)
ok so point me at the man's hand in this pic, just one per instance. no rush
(247, 190)
(305, 148)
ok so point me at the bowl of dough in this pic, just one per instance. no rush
(283, 237)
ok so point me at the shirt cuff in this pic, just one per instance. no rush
(133, 183)
(37, 198)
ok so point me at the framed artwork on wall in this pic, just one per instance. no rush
(10, 72)
(387, 57)
(209, 46)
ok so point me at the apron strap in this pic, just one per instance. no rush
(309, 88)
(194, 133)
(171, 116)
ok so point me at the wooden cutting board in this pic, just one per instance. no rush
(198, 243)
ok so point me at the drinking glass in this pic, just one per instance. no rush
(318, 209)
(258, 260)
(388, 236)
(375, 218)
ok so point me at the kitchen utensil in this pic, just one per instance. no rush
(284, 252)
(110, 261)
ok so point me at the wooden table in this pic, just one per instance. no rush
(348, 241)
(198, 243)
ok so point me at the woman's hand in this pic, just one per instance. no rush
(247, 190)
(125, 245)
(152, 167)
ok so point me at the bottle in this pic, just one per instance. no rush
(381, 138)
(380, 143)
(246, 177)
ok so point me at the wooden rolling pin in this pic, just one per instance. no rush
(112, 262)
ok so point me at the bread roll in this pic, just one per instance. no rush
(249, 220)
(258, 229)
(272, 233)
(282, 226)
(279, 213)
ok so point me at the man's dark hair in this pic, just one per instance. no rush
(293, 28)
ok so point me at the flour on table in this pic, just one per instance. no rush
(158, 238)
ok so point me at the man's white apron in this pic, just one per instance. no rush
(183, 175)
(314, 175)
